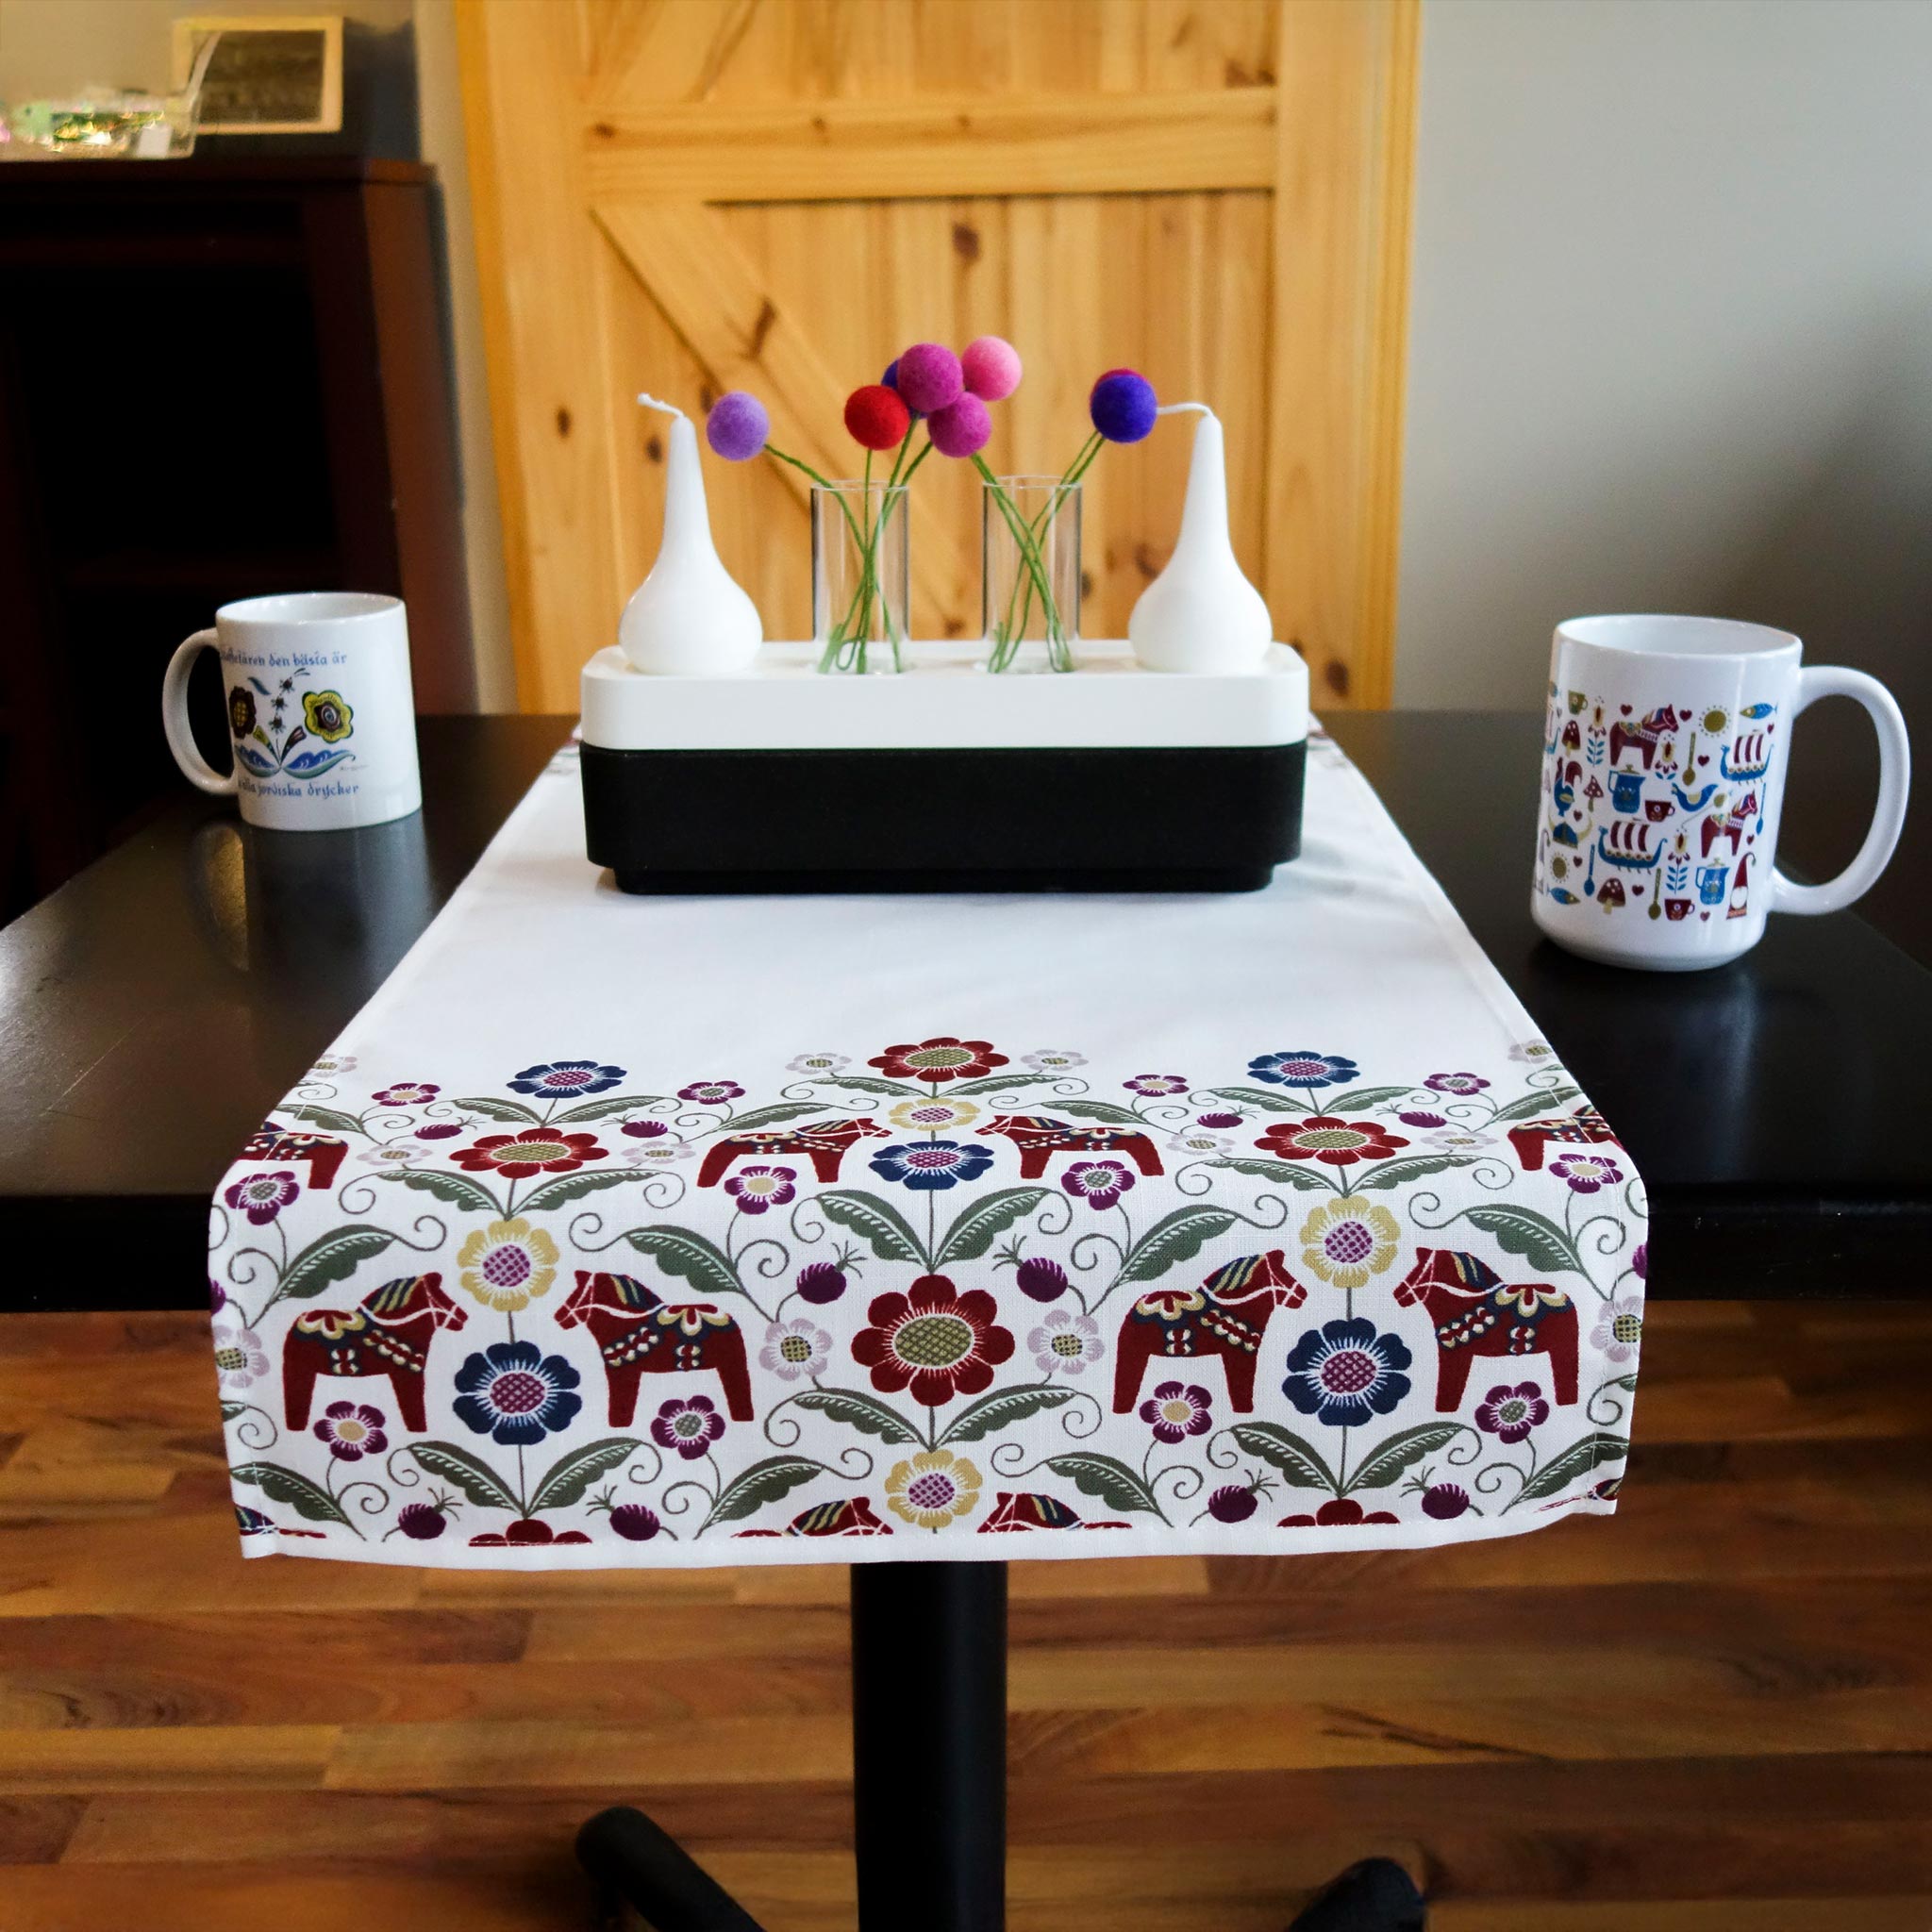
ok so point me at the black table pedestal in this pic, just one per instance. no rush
(929, 1781)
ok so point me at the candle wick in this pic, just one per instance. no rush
(1170, 408)
(652, 403)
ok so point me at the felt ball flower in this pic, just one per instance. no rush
(514, 1393)
(1509, 1415)
(1455, 1083)
(756, 1189)
(535, 1150)
(795, 1348)
(737, 426)
(876, 418)
(940, 1058)
(932, 1488)
(406, 1094)
(1342, 1512)
(328, 715)
(1619, 1331)
(240, 1357)
(1232, 1503)
(1329, 1138)
(935, 1116)
(711, 1092)
(933, 1340)
(240, 710)
(351, 1430)
(1066, 1340)
(962, 428)
(930, 1166)
(1445, 1501)
(1344, 1372)
(506, 1264)
(819, 1283)
(1099, 1183)
(991, 368)
(1301, 1068)
(1349, 1238)
(1155, 1085)
(819, 1066)
(1041, 1281)
(262, 1196)
(1587, 1173)
(1122, 406)
(928, 377)
(566, 1080)
(1175, 1411)
(688, 1425)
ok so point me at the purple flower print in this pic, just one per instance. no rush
(1455, 1083)
(1175, 1413)
(711, 1092)
(240, 1357)
(795, 1348)
(1587, 1172)
(1509, 1415)
(688, 1427)
(1067, 1341)
(262, 1196)
(1155, 1085)
(407, 1093)
(1099, 1183)
(352, 1431)
(566, 1080)
(759, 1187)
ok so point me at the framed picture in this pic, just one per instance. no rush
(269, 73)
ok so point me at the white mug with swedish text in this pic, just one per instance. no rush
(320, 710)
(1665, 747)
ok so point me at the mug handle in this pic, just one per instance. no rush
(175, 718)
(1895, 782)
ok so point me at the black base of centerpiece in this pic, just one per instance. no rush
(1096, 819)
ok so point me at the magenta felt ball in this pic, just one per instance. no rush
(737, 426)
(875, 417)
(961, 428)
(991, 366)
(928, 377)
(1122, 406)
(890, 379)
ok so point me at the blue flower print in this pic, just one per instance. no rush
(516, 1394)
(1344, 1372)
(1302, 1069)
(566, 1080)
(929, 1165)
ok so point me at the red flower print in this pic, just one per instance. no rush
(941, 1058)
(935, 1341)
(1329, 1138)
(1343, 1511)
(536, 1150)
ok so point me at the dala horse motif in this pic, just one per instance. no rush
(1226, 1316)
(388, 1334)
(825, 1143)
(1645, 736)
(638, 1332)
(1585, 1128)
(1731, 825)
(322, 1152)
(1021, 1509)
(1476, 1314)
(1039, 1137)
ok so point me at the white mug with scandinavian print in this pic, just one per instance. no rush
(1664, 753)
(320, 710)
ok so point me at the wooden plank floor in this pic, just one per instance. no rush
(1712, 1714)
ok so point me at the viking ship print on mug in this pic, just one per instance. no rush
(1664, 752)
(320, 710)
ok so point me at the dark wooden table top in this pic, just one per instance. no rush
(155, 1008)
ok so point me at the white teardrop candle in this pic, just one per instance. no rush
(1201, 613)
(690, 617)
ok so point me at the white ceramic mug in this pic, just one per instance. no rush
(1664, 753)
(320, 710)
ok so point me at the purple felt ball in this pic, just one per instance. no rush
(1122, 406)
(928, 377)
(961, 428)
(891, 380)
(737, 426)
(991, 366)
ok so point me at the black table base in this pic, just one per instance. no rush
(929, 1781)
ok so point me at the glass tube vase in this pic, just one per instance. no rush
(1030, 573)
(859, 575)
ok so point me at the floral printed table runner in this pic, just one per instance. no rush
(697, 1231)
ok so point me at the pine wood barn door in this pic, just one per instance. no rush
(695, 195)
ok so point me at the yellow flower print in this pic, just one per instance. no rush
(328, 715)
(933, 1488)
(933, 1116)
(508, 1265)
(1348, 1239)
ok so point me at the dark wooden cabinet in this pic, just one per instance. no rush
(217, 378)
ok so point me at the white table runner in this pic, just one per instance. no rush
(713, 1230)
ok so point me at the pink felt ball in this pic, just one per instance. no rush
(928, 376)
(961, 428)
(991, 365)
(876, 418)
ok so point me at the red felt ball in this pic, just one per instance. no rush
(877, 417)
